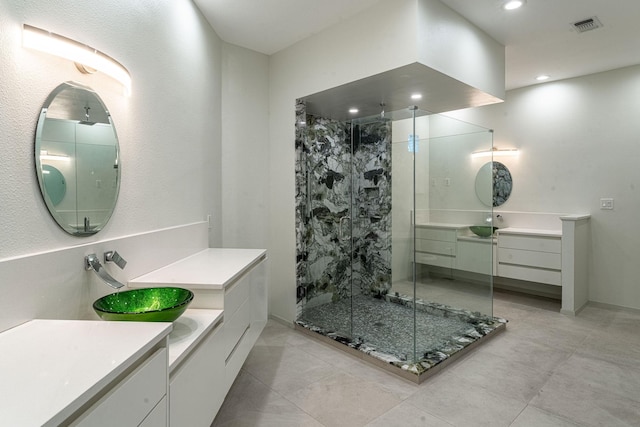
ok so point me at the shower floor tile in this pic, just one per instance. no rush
(384, 330)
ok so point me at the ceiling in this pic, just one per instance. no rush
(539, 38)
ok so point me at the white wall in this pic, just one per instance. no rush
(347, 51)
(245, 147)
(447, 43)
(579, 141)
(169, 131)
(381, 38)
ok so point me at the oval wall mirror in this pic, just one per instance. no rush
(77, 159)
(493, 184)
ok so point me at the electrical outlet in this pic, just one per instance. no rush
(606, 204)
(447, 182)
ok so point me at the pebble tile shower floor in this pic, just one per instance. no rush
(384, 329)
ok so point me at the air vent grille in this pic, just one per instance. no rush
(587, 24)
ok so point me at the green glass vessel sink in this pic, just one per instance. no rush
(144, 305)
(483, 230)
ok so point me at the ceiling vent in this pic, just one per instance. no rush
(587, 24)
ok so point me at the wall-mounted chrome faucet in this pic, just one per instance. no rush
(113, 256)
(91, 262)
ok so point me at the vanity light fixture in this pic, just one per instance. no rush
(86, 58)
(542, 77)
(416, 96)
(496, 152)
(353, 110)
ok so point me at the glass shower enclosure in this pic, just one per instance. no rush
(386, 262)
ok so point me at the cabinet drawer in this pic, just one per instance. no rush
(157, 417)
(550, 277)
(531, 243)
(236, 326)
(436, 234)
(435, 259)
(236, 294)
(436, 247)
(131, 400)
(530, 258)
(476, 257)
(196, 392)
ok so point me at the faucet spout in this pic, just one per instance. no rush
(91, 262)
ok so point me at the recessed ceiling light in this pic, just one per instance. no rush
(416, 96)
(512, 4)
(353, 110)
(542, 77)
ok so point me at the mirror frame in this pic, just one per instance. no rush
(84, 227)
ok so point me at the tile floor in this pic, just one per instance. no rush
(545, 370)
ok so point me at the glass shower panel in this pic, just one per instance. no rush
(461, 275)
(387, 260)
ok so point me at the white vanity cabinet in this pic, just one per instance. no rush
(245, 315)
(476, 254)
(84, 373)
(533, 255)
(436, 244)
(553, 257)
(196, 366)
(141, 395)
(226, 318)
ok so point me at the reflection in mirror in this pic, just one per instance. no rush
(54, 183)
(493, 184)
(77, 162)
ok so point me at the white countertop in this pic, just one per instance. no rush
(50, 368)
(575, 217)
(213, 268)
(474, 238)
(531, 231)
(188, 331)
(442, 225)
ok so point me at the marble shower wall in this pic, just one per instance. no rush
(330, 180)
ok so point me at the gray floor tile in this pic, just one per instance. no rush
(609, 377)
(407, 415)
(463, 403)
(251, 403)
(537, 355)
(586, 405)
(502, 375)
(534, 417)
(546, 369)
(286, 369)
(343, 400)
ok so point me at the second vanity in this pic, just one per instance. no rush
(556, 257)
(99, 373)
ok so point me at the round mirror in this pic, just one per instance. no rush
(77, 163)
(493, 184)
